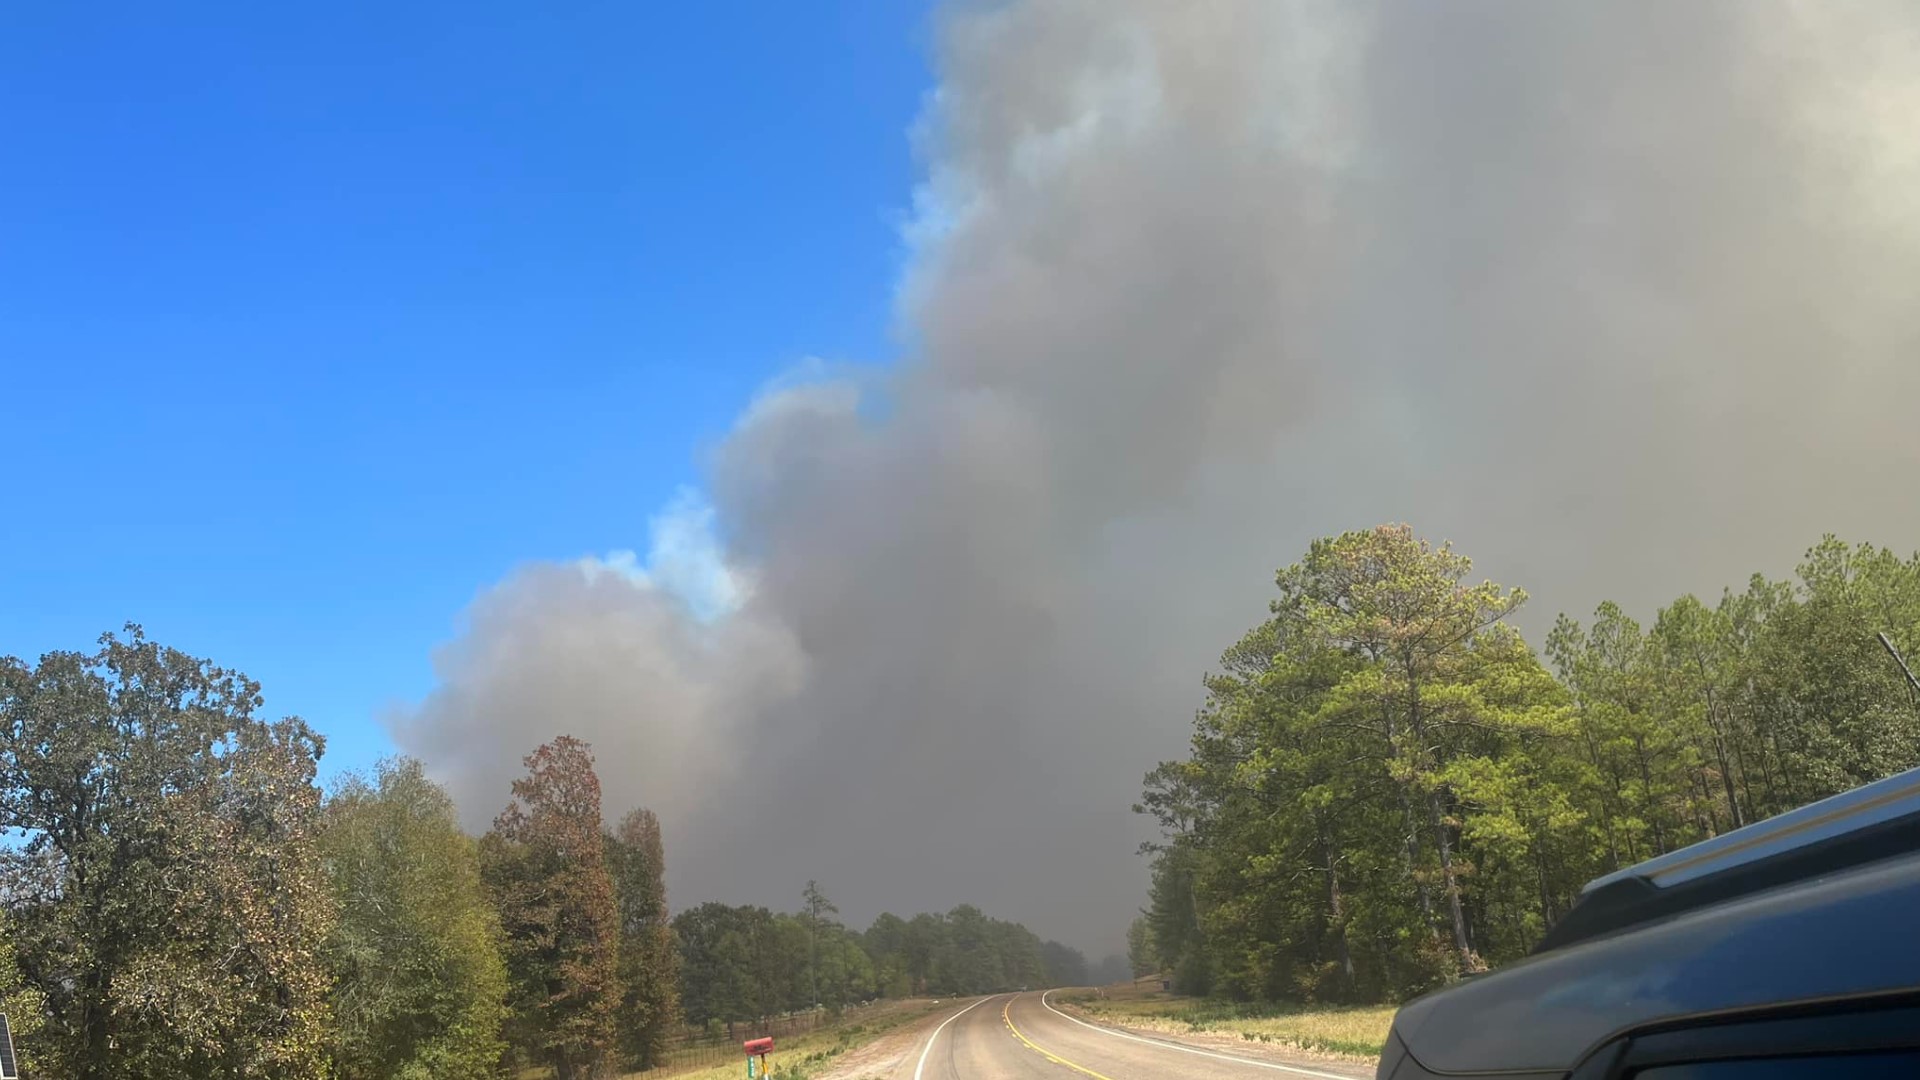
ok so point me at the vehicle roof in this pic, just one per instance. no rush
(1840, 935)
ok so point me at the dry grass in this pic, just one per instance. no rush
(1359, 1033)
(802, 1056)
(797, 1057)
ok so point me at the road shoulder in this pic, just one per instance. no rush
(1233, 1046)
(893, 1053)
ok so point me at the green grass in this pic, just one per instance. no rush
(1354, 1032)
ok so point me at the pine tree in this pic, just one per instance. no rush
(1385, 787)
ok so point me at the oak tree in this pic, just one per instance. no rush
(169, 899)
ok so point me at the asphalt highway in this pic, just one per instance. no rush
(1024, 1037)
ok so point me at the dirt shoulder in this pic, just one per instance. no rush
(882, 1056)
(1351, 1037)
(846, 1049)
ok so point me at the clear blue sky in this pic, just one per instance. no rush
(315, 319)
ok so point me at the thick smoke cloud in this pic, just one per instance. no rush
(1617, 297)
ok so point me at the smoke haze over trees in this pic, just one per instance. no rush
(1387, 788)
(1614, 296)
(744, 963)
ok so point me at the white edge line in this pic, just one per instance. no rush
(928, 1049)
(1182, 1049)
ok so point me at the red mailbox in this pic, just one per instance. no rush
(759, 1046)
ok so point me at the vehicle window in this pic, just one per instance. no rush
(1903, 1063)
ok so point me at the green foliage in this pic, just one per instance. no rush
(961, 952)
(169, 900)
(1386, 788)
(1142, 958)
(741, 964)
(649, 957)
(814, 917)
(885, 942)
(419, 983)
(24, 1006)
(1064, 965)
(545, 866)
(1174, 921)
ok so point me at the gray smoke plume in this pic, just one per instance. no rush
(1618, 297)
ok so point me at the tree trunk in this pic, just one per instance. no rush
(1536, 844)
(1336, 917)
(1703, 791)
(1449, 883)
(1548, 911)
(1417, 727)
(1786, 774)
(1746, 774)
(93, 1012)
(1606, 812)
(1420, 889)
(1412, 830)
(1764, 756)
(93, 1019)
(1646, 781)
(1720, 751)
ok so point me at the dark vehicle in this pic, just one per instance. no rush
(1788, 948)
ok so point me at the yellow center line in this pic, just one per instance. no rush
(1006, 1014)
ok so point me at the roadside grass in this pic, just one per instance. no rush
(797, 1057)
(802, 1057)
(1355, 1032)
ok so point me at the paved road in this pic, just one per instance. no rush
(1023, 1037)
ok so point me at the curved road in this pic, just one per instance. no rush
(1023, 1037)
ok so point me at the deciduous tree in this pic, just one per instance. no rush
(649, 959)
(545, 865)
(168, 896)
(1141, 959)
(419, 982)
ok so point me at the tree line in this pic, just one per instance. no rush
(746, 963)
(181, 900)
(1387, 788)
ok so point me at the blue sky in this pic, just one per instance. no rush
(317, 319)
